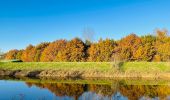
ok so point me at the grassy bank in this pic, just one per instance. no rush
(104, 66)
(95, 69)
(100, 66)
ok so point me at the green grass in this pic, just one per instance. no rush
(104, 66)
(142, 67)
(146, 67)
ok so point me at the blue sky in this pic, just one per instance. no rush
(24, 22)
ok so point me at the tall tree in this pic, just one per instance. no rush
(101, 51)
(161, 34)
(163, 50)
(12, 54)
(51, 51)
(74, 51)
(38, 51)
(19, 54)
(162, 45)
(128, 46)
(146, 51)
(28, 54)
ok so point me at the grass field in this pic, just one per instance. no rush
(146, 67)
(104, 66)
(95, 69)
(101, 66)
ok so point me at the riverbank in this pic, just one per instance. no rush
(86, 70)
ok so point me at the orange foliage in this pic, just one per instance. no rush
(74, 51)
(12, 54)
(51, 51)
(129, 48)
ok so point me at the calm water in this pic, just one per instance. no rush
(119, 90)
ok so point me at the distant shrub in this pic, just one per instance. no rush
(14, 60)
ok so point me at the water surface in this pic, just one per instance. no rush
(16, 89)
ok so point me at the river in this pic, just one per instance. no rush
(35, 89)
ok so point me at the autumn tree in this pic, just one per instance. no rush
(19, 54)
(51, 51)
(38, 51)
(163, 50)
(128, 46)
(146, 51)
(101, 51)
(74, 51)
(28, 54)
(12, 54)
(162, 45)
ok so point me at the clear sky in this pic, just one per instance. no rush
(24, 22)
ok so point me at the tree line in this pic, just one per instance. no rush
(130, 48)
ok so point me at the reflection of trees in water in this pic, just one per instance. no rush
(132, 92)
(105, 90)
(61, 89)
(74, 90)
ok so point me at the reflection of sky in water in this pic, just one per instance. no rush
(13, 90)
(94, 96)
